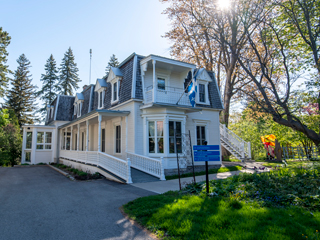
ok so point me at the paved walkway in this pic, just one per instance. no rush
(40, 203)
(173, 185)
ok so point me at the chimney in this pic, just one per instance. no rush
(85, 87)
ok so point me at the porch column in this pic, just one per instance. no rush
(99, 133)
(155, 87)
(87, 145)
(78, 136)
(71, 138)
(166, 135)
(134, 151)
(34, 146)
(65, 139)
(145, 136)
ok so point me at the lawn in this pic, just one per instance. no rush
(281, 204)
(211, 171)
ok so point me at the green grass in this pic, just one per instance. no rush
(176, 216)
(280, 204)
(211, 171)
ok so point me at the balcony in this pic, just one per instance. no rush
(168, 95)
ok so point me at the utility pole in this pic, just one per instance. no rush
(90, 66)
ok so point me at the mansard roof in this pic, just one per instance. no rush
(131, 87)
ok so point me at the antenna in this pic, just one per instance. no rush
(90, 66)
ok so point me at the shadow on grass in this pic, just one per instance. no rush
(195, 217)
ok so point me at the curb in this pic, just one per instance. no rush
(62, 172)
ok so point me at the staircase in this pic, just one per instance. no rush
(234, 144)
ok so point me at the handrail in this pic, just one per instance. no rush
(146, 164)
(242, 147)
(115, 165)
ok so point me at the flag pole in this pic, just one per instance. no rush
(187, 86)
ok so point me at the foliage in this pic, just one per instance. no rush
(78, 174)
(49, 81)
(21, 97)
(69, 77)
(211, 171)
(4, 42)
(10, 138)
(113, 62)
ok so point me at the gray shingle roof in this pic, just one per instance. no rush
(117, 71)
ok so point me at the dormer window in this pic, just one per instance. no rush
(203, 80)
(114, 78)
(100, 88)
(78, 104)
(51, 109)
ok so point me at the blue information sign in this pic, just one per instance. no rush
(206, 153)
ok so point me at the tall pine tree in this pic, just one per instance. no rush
(113, 62)
(69, 78)
(4, 42)
(21, 97)
(49, 82)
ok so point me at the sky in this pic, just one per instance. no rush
(41, 28)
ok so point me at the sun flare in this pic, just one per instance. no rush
(224, 4)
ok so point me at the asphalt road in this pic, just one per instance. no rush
(40, 203)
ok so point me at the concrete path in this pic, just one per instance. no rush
(173, 185)
(40, 203)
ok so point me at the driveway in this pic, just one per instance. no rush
(40, 203)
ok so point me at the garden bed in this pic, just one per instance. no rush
(78, 174)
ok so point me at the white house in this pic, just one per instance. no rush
(140, 116)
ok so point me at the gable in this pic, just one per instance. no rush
(100, 83)
(203, 75)
(114, 73)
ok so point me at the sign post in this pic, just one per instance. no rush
(206, 153)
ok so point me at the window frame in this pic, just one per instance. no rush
(43, 143)
(156, 137)
(206, 92)
(113, 99)
(101, 95)
(26, 146)
(174, 137)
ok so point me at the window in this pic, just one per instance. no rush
(28, 157)
(175, 143)
(29, 140)
(75, 109)
(161, 84)
(44, 140)
(115, 92)
(201, 135)
(79, 109)
(82, 141)
(52, 112)
(100, 99)
(202, 93)
(66, 140)
(118, 139)
(103, 140)
(155, 129)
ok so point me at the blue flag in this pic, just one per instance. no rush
(192, 90)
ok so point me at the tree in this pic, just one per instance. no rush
(10, 138)
(49, 83)
(276, 62)
(209, 36)
(69, 78)
(4, 42)
(113, 62)
(21, 97)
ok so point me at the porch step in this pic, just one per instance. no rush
(141, 177)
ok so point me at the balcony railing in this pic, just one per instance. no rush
(169, 95)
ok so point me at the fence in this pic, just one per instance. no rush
(300, 153)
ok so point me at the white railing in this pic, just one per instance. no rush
(117, 166)
(149, 165)
(236, 143)
(170, 95)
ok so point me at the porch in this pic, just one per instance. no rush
(100, 139)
